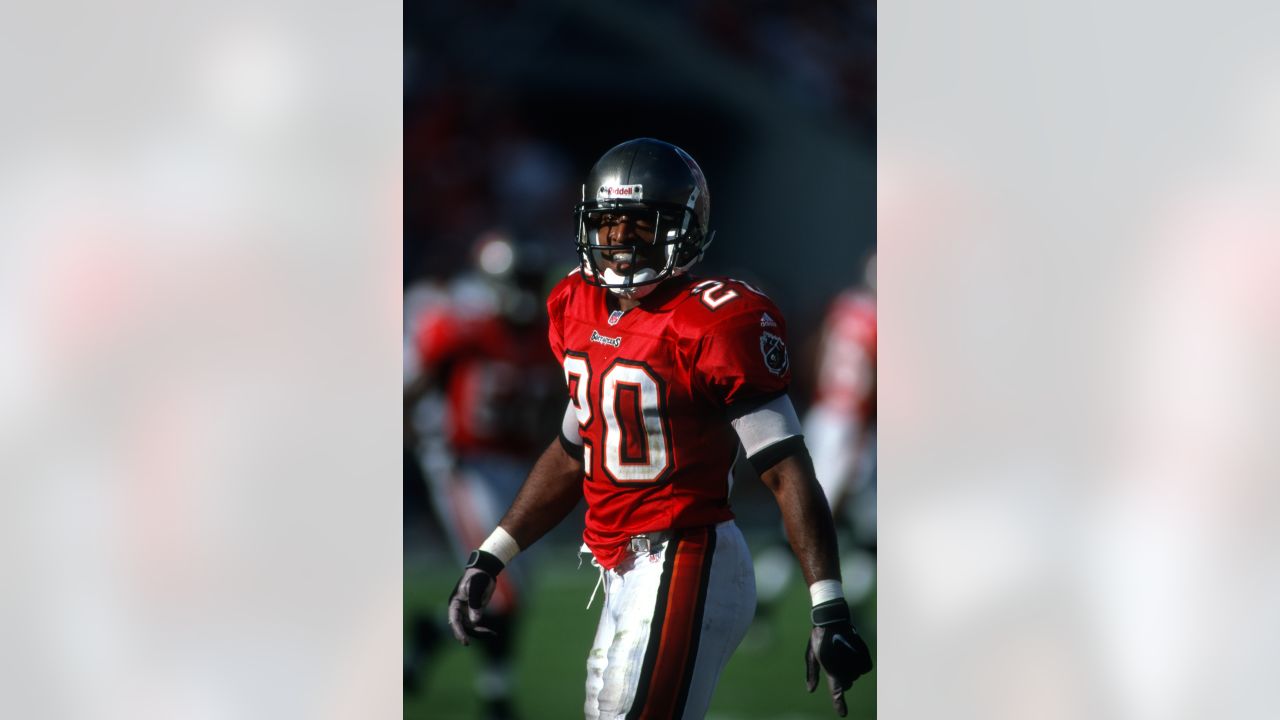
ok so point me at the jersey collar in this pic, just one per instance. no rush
(663, 298)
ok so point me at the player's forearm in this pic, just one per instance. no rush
(548, 495)
(806, 516)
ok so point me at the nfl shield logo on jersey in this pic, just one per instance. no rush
(775, 353)
(614, 317)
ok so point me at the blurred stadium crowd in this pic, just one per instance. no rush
(503, 138)
(507, 105)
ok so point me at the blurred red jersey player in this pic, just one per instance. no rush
(840, 425)
(481, 381)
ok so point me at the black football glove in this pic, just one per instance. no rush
(471, 594)
(838, 649)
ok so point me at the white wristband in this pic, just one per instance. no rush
(501, 545)
(825, 590)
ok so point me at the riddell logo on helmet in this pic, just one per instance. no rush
(620, 192)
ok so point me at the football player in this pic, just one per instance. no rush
(841, 424)
(481, 384)
(667, 375)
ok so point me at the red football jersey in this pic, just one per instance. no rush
(652, 388)
(495, 374)
(847, 366)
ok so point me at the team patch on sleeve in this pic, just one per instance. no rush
(775, 353)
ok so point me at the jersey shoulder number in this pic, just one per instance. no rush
(715, 293)
(715, 305)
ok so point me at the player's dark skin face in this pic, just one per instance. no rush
(625, 229)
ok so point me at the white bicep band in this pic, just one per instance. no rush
(772, 422)
(569, 425)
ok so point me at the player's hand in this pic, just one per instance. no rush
(471, 594)
(838, 649)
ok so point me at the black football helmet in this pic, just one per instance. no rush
(659, 187)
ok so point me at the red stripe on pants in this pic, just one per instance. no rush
(678, 647)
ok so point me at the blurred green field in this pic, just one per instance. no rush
(765, 678)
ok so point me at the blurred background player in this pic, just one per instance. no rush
(841, 423)
(479, 379)
(840, 430)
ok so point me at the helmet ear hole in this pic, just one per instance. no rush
(694, 249)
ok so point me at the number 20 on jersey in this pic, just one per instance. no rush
(632, 404)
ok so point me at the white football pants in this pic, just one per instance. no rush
(670, 621)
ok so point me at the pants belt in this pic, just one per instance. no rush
(644, 541)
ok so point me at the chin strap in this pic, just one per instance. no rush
(633, 293)
(614, 278)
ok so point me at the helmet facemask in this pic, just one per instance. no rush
(655, 241)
